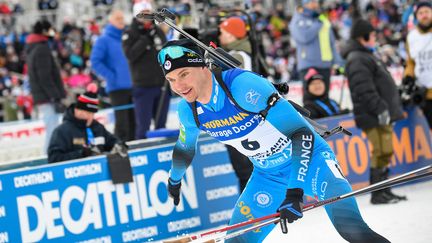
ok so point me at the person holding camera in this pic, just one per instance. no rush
(376, 103)
(141, 42)
(80, 135)
(418, 70)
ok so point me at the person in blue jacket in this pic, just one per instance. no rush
(315, 44)
(109, 62)
(290, 159)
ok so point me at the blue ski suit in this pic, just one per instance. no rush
(284, 148)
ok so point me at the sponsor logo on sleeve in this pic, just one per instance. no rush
(306, 153)
(263, 199)
(252, 97)
(182, 133)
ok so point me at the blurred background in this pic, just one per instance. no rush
(78, 23)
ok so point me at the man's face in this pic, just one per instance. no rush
(372, 39)
(189, 82)
(424, 16)
(117, 19)
(314, 5)
(225, 37)
(84, 115)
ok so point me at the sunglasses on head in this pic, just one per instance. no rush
(173, 52)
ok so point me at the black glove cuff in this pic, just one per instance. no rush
(295, 193)
(86, 152)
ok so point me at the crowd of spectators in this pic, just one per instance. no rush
(392, 21)
(72, 46)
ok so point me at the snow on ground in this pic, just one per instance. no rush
(408, 221)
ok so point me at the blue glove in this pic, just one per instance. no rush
(174, 190)
(291, 208)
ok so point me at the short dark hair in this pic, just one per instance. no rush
(41, 26)
(361, 28)
(421, 4)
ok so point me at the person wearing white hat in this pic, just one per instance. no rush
(141, 42)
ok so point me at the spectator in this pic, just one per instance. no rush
(81, 135)
(320, 106)
(315, 43)
(4, 8)
(45, 82)
(233, 37)
(141, 42)
(109, 62)
(376, 103)
(419, 62)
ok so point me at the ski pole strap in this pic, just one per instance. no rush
(217, 71)
(271, 101)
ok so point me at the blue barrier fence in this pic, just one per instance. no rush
(78, 202)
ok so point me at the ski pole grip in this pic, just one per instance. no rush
(147, 16)
(168, 14)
